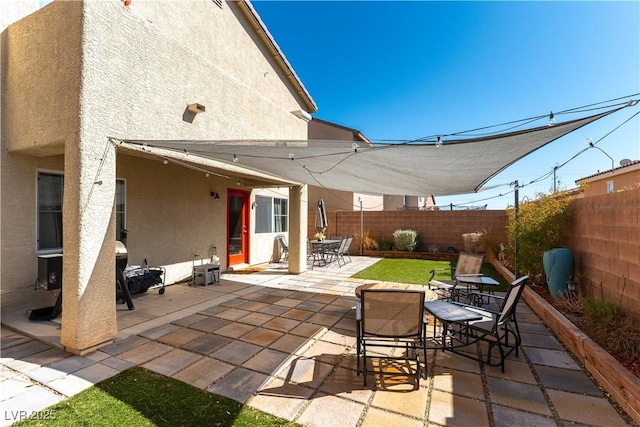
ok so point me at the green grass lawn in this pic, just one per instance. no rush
(138, 397)
(416, 271)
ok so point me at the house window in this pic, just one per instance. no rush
(609, 187)
(272, 215)
(121, 224)
(49, 218)
(49, 196)
(280, 215)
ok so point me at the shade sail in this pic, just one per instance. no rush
(456, 167)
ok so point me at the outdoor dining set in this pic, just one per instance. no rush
(452, 315)
(325, 251)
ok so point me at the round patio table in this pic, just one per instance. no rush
(429, 295)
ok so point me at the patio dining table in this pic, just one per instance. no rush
(474, 283)
(321, 250)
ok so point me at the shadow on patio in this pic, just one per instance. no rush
(285, 344)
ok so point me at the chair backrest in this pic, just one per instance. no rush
(511, 299)
(392, 312)
(335, 236)
(468, 263)
(343, 246)
(347, 245)
(283, 242)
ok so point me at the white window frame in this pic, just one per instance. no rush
(610, 187)
(285, 222)
(272, 218)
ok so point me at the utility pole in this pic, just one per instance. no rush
(515, 241)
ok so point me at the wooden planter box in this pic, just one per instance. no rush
(435, 256)
(622, 385)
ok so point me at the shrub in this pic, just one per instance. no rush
(615, 328)
(385, 245)
(538, 228)
(368, 242)
(405, 240)
(599, 316)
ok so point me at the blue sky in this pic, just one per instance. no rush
(405, 69)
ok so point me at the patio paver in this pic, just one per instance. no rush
(285, 344)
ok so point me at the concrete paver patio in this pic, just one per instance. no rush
(285, 344)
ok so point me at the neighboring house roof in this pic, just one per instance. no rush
(261, 30)
(615, 171)
(357, 135)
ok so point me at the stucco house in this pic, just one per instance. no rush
(77, 78)
(624, 177)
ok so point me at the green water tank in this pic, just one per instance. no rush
(559, 268)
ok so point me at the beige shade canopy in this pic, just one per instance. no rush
(457, 167)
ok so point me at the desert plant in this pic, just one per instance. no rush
(599, 316)
(536, 228)
(369, 243)
(615, 328)
(405, 240)
(624, 338)
(473, 242)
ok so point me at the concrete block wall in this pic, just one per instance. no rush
(605, 240)
(435, 228)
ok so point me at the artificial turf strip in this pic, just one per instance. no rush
(416, 271)
(138, 397)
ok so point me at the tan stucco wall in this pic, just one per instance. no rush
(43, 57)
(18, 10)
(18, 259)
(139, 79)
(370, 202)
(171, 216)
(130, 79)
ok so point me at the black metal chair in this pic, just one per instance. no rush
(391, 318)
(468, 263)
(464, 325)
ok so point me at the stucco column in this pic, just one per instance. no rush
(88, 293)
(298, 229)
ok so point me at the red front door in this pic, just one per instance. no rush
(237, 227)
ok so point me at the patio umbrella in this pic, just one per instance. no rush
(321, 217)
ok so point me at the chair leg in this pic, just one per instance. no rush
(364, 363)
(424, 352)
(358, 347)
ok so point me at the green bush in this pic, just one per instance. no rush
(405, 240)
(599, 316)
(385, 245)
(537, 228)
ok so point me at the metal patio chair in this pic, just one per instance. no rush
(391, 318)
(284, 247)
(467, 264)
(464, 325)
